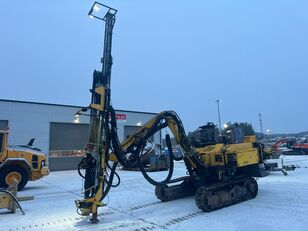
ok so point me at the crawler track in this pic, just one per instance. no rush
(209, 198)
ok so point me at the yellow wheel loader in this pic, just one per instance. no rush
(20, 163)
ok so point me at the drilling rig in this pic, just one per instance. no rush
(219, 173)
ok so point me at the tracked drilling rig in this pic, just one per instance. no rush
(219, 174)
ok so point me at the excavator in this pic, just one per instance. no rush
(219, 173)
(290, 146)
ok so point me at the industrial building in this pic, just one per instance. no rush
(58, 132)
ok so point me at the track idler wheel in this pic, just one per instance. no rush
(252, 187)
(169, 193)
(160, 192)
(204, 199)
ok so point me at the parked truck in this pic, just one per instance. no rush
(21, 163)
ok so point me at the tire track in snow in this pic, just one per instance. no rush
(144, 206)
(51, 223)
(170, 222)
(150, 225)
(183, 218)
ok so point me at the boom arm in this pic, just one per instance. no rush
(135, 143)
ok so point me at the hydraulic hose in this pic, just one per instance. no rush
(79, 168)
(109, 183)
(117, 175)
(152, 181)
(136, 148)
(169, 146)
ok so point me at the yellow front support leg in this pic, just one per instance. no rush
(90, 205)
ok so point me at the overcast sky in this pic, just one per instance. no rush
(175, 54)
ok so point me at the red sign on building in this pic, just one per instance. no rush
(121, 117)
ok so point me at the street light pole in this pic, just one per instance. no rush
(261, 125)
(218, 110)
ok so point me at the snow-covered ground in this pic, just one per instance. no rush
(282, 204)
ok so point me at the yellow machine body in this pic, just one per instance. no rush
(219, 155)
(20, 163)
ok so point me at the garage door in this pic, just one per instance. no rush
(68, 136)
(4, 124)
(130, 129)
(66, 145)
